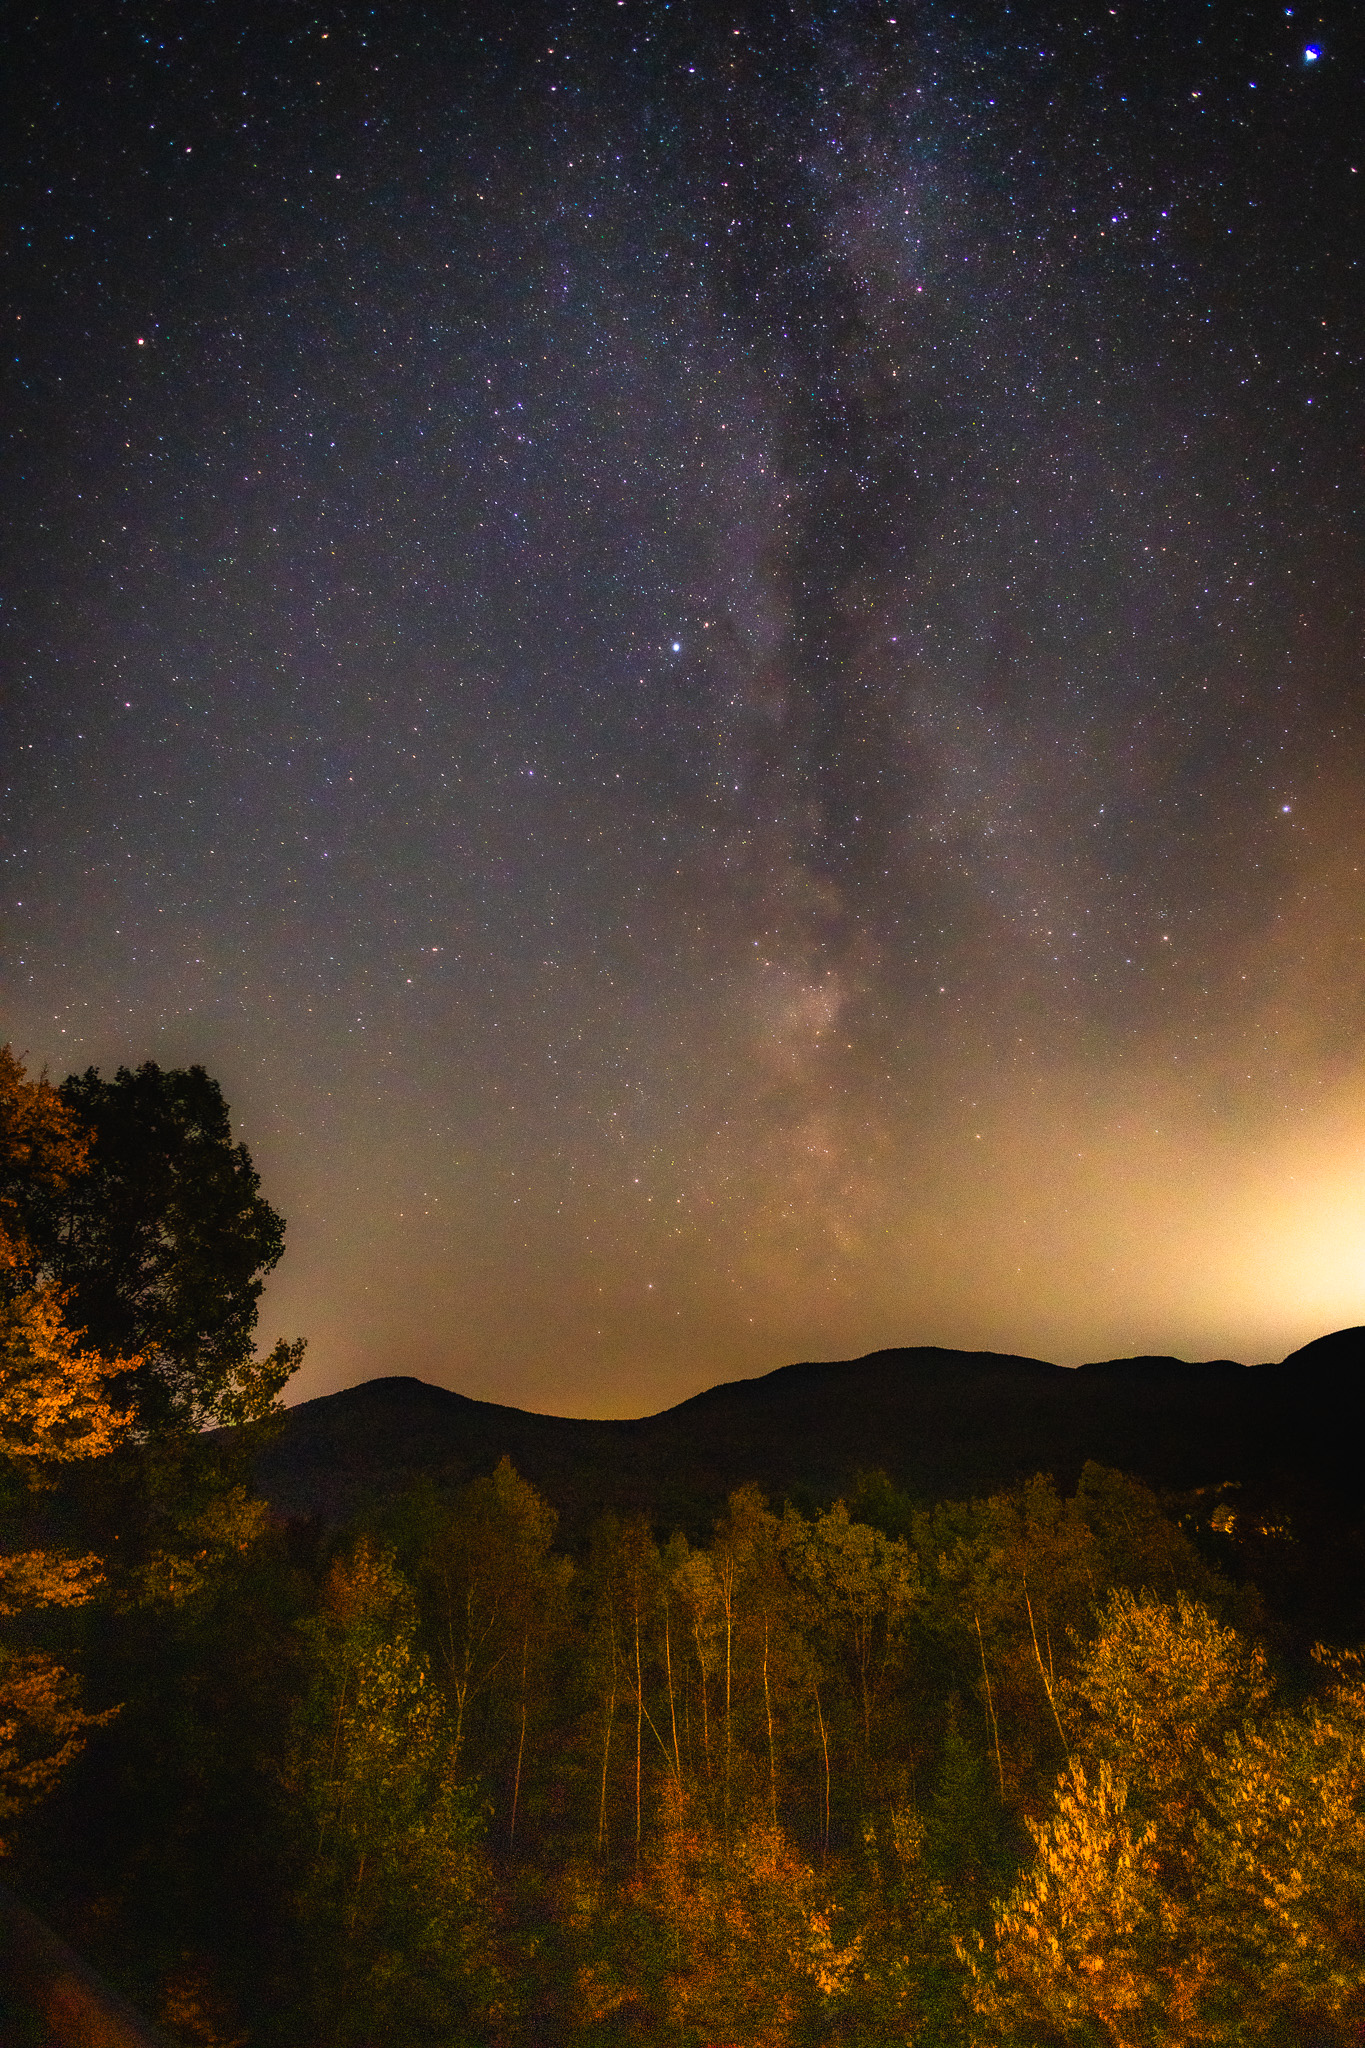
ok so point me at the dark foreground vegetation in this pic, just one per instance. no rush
(1056, 1764)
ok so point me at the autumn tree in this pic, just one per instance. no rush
(862, 1587)
(395, 1895)
(492, 1595)
(757, 1948)
(754, 1641)
(1283, 1902)
(697, 1601)
(631, 1729)
(55, 1410)
(1200, 1877)
(101, 1494)
(156, 1240)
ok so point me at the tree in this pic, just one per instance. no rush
(1199, 1878)
(491, 1594)
(1082, 1948)
(696, 1589)
(161, 1245)
(752, 1950)
(54, 1408)
(42, 1148)
(1156, 1694)
(860, 1588)
(1285, 1853)
(395, 1894)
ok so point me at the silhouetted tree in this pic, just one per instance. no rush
(162, 1244)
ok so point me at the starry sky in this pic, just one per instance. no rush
(711, 656)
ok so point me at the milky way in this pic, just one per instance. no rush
(712, 657)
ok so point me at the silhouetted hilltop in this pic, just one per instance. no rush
(940, 1423)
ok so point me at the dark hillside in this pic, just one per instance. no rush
(940, 1423)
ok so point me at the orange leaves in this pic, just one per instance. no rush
(42, 1145)
(1287, 1830)
(750, 1929)
(54, 1402)
(37, 1578)
(41, 1728)
(1161, 1687)
(54, 1408)
(53, 1392)
(1073, 1945)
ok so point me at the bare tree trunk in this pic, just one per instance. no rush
(864, 1655)
(687, 1732)
(336, 1747)
(824, 1744)
(768, 1707)
(1042, 1673)
(990, 1707)
(606, 1741)
(521, 1744)
(728, 1582)
(639, 1726)
(606, 1751)
(705, 1714)
(672, 1709)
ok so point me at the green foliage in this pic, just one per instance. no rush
(1137, 1545)
(882, 1505)
(860, 1589)
(969, 1843)
(394, 1899)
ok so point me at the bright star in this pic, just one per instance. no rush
(1311, 54)
(677, 646)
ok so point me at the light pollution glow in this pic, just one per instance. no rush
(726, 699)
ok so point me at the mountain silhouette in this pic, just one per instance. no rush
(941, 1424)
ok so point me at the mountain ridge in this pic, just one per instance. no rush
(939, 1422)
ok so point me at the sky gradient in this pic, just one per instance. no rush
(712, 657)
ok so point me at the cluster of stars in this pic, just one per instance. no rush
(684, 647)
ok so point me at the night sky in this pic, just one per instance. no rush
(712, 657)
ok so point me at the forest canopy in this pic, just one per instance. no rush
(1036, 1768)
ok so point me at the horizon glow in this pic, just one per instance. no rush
(715, 669)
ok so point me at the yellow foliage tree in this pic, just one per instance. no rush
(1082, 1946)
(1200, 1878)
(1285, 1848)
